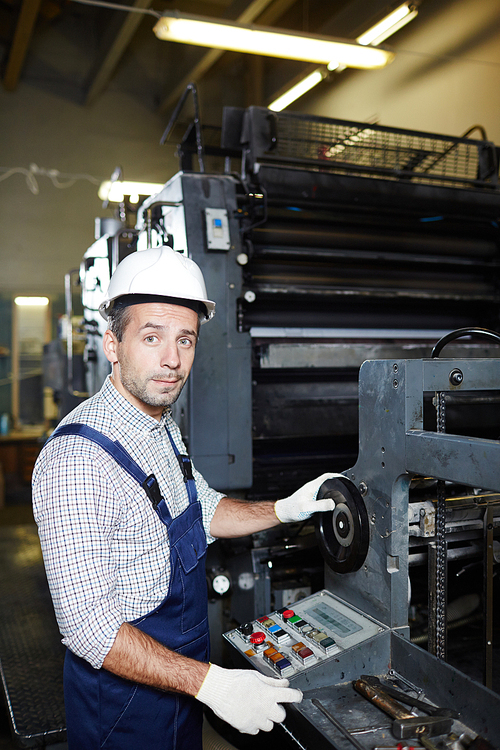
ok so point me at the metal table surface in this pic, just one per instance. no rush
(31, 652)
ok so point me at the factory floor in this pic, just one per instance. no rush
(16, 511)
(464, 645)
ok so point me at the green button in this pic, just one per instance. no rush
(327, 642)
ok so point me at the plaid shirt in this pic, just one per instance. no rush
(106, 552)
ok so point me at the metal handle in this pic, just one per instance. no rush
(484, 333)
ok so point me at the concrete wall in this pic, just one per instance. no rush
(44, 235)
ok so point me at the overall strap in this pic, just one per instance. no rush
(118, 452)
(186, 468)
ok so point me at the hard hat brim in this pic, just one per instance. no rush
(205, 309)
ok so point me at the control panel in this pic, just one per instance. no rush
(294, 639)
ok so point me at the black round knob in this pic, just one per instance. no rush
(246, 628)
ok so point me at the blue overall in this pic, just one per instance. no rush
(106, 711)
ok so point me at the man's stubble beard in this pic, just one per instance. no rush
(138, 389)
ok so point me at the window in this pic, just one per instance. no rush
(30, 331)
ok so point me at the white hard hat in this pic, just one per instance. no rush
(158, 271)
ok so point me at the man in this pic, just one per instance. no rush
(124, 521)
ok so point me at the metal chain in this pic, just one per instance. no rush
(441, 411)
(441, 552)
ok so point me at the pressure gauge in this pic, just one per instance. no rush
(219, 583)
(246, 581)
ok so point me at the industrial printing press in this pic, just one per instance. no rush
(346, 647)
(343, 259)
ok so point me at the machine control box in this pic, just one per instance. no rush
(293, 639)
(217, 225)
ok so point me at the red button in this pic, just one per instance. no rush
(288, 613)
(257, 637)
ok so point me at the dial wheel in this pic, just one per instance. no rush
(343, 534)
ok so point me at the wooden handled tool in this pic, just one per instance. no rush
(405, 724)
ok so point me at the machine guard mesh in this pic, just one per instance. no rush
(370, 150)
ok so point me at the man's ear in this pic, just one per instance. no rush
(110, 346)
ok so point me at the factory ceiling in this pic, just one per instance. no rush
(80, 51)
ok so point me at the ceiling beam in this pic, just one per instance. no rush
(265, 10)
(107, 66)
(20, 43)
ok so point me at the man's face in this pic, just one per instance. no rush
(154, 358)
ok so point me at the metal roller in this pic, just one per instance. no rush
(287, 237)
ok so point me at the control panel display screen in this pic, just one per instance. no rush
(331, 618)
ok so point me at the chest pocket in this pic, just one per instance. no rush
(188, 590)
(191, 546)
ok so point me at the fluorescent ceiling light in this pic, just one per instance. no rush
(115, 191)
(260, 40)
(389, 25)
(375, 35)
(31, 301)
(296, 91)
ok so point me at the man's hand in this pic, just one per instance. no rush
(302, 504)
(247, 700)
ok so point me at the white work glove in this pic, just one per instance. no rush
(302, 504)
(247, 700)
